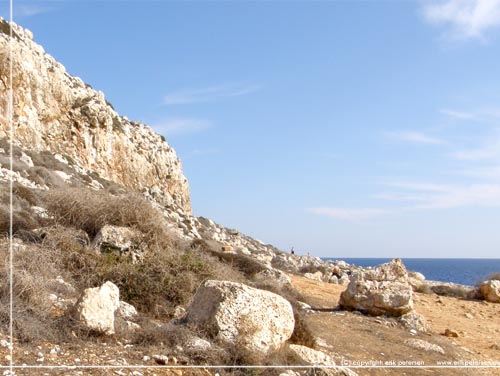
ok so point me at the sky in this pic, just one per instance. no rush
(339, 128)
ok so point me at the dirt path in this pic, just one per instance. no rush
(352, 338)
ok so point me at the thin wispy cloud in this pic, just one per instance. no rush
(30, 10)
(426, 196)
(25, 9)
(485, 173)
(485, 115)
(489, 149)
(349, 214)
(465, 19)
(414, 137)
(209, 94)
(176, 126)
(459, 115)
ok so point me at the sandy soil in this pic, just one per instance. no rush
(348, 337)
(352, 338)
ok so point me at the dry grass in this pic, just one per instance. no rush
(90, 210)
(23, 217)
(32, 308)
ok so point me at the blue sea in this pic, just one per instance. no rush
(463, 271)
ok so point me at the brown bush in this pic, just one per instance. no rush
(23, 217)
(32, 317)
(90, 210)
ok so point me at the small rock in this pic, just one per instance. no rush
(146, 358)
(127, 311)
(450, 333)
(424, 345)
(160, 359)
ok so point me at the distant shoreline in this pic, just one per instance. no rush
(464, 271)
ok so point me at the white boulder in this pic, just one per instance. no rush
(96, 308)
(382, 290)
(490, 290)
(239, 315)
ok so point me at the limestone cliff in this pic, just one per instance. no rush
(58, 112)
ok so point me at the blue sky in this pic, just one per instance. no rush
(342, 128)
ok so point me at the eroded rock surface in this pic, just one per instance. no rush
(240, 315)
(382, 290)
(96, 308)
(491, 290)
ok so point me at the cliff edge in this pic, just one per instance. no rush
(57, 112)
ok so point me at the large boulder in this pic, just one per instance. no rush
(120, 240)
(116, 238)
(239, 315)
(96, 308)
(490, 290)
(382, 290)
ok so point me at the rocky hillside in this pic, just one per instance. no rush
(131, 277)
(57, 112)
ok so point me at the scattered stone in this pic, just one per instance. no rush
(304, 306)
(227, 248)
(160, 359)
(273, 275)
(344, 280)
(450, 333)
(127, 311)
(179, 312)
(415, 321)
(310, 356)
(257, 320)
(26, 159)
(96, 308)
(420, 344)
(197, 344)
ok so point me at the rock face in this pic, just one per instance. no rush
(58, 112)
(382, 290)
(491, 291)
(240, 315)
(96, 308)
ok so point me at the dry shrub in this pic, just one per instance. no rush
(90, 210)
(44, 177)
(47, 160)
(31, 196)
(313, 269)
(23, 217)
(246, 265)
(32, 308)
(493, 276)
(17, 165)
(163, 280)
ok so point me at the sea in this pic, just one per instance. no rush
(462, 271)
